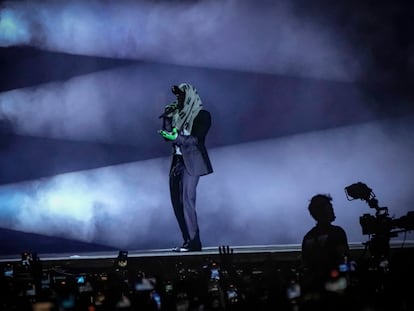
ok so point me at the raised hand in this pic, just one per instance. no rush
(226, 257)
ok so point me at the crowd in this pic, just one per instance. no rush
(216, 284)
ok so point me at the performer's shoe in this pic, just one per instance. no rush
(188, 246)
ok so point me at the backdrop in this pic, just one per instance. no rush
(298, 108)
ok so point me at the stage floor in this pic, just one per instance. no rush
(281, 252)
(153, 260)
(247, 249)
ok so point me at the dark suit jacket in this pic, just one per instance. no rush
(193, 148)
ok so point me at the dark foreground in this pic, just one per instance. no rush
(235, 278)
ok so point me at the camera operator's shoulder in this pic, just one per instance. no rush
(338, 230)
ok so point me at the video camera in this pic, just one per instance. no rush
(380, 223)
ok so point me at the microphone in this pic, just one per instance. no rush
(170, 108)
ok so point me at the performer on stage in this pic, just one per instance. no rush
(186, 124)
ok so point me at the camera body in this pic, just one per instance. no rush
(381, 224)
(384, 224)
(380, 227)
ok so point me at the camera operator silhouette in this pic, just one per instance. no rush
(325, 246)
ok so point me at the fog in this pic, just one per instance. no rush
(239, 35)
(258, 193)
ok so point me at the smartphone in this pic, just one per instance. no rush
(8, 270)
(26, 259)
(145, 284)
(156, 298)
(232, 295)
(80, 280)
(343, 268)
(214, 274)
(122, 260)
(30, 289)
(45, 281)
(293, 291)
(169, 287)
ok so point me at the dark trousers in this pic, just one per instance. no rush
(183, 189)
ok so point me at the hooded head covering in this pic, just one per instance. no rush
(183, 119)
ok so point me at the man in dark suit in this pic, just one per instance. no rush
(186, 124)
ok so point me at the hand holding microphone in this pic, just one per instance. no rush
(169, 135)
(169, 109)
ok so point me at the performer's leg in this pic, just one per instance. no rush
(176, 191)
(189, 205)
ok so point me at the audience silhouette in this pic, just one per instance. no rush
(325, 258)
(325, 246)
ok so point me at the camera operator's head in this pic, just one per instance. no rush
(321, 209)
